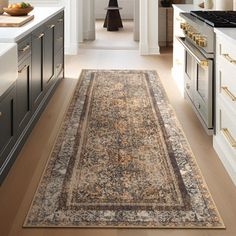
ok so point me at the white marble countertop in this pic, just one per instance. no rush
(41, 15)
(229, 33)
(8, 75)
(187, 7)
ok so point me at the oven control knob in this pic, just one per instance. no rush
(183, 25)
(190, 33)
(195, 36)
(202, 42)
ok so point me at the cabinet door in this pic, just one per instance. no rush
(48, 60)
(59, 65)
(59, 34)
(23, 96)
(37, 68)
(7, 106)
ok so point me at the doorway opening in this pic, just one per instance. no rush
(125, 38)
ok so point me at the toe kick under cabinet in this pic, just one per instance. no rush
(40, 68)
(225, 138)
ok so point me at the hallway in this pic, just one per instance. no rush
(113, 40)
(19, 187)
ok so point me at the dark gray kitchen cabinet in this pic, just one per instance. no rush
(23, 95)
(59, 33)
(7, 127)
(58, 47)
(37, 67)
(48, 60)
(40, 68)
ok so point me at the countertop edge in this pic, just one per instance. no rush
(34, 26)
(227, 33)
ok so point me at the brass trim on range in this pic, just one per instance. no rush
(229, 137)
(229, 58)
(228, 93)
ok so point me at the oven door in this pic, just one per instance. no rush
(199, 82)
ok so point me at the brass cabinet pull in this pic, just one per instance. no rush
(0, 113)
(229, 58)
(40, 36)
(27, 47)
(229, 137)
(59, 38)
(51, 26)
(20, 71)
(203, 63)
(60, 20)
(228, 93)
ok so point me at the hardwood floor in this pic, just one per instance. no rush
(19, 187)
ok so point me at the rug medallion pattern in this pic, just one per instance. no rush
(121, 160)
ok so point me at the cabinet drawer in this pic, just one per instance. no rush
(227, 127)
(226, 86)
(23, 95)
(59, 33)
(226, 52)
(7, 112)
(24, 48)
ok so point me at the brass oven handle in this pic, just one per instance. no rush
(229, 58)
(228, 93)
(201, 62)
(27, 47)
(229, 137)
(40, 36)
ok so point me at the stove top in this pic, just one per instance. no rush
(224, 19)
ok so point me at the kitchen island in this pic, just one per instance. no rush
(39, 67)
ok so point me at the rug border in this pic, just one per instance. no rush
(83, 71)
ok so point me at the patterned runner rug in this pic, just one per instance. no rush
(121, 160)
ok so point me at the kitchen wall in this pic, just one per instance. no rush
(126, 13)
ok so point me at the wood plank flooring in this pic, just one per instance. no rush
(19, 187)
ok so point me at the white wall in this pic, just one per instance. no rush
(126, 13)
(148, 44)
(88, 20)
(71, 20)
